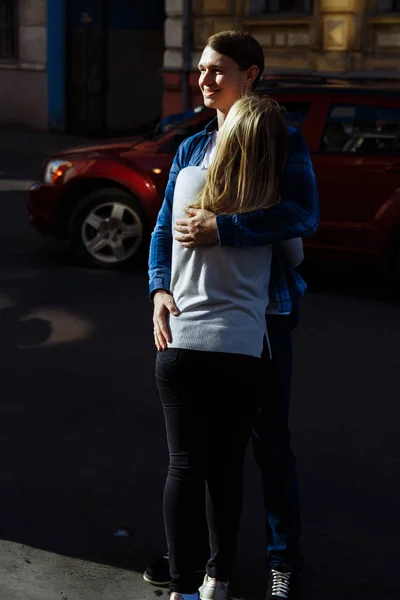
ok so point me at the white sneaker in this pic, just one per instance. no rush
(213, 589)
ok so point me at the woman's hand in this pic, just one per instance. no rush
(163, 304)
(198, 230)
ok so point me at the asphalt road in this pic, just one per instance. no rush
(82, 444)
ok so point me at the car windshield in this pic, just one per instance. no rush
(175, 121)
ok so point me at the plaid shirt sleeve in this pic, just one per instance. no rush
(296, 216)
(160, 255)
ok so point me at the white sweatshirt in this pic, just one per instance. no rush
(221, 292)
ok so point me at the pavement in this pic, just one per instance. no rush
(82, 441)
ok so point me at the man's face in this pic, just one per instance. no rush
(221, 81)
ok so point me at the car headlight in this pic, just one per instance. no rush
(55, 169)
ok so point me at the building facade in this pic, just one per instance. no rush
(23, 58)
(303, 36)
(83, 66)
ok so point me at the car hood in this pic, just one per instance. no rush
(109, 150)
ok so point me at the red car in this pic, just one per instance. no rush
(105, 198)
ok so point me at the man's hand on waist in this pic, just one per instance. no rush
(199, 229)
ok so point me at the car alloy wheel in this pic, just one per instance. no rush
(112, 232)
(108, 228)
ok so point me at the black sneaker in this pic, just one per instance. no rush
(282, 583)
(158, 572)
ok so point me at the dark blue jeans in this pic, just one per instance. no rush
(272, 448)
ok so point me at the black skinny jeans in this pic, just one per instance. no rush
(210, 400)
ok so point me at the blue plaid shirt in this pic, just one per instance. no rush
(296, 216)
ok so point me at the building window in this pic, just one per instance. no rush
(362, 129)
(280, 6)
(387, 6)
(8, 30)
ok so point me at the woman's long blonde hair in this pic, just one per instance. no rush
(249, 158)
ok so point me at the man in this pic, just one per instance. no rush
(232, 63)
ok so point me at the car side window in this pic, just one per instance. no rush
(362, 129)
(296, 113)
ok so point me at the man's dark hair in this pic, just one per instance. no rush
(240, 47)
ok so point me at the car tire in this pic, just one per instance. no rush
(108, 229)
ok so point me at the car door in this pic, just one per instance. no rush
(357, 166)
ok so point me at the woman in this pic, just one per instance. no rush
(221, 294)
